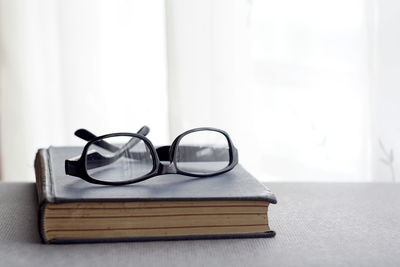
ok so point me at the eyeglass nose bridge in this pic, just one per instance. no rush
(168, 168)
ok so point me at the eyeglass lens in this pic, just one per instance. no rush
(203, 152)
(127, 158)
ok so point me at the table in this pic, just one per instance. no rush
(317, 224)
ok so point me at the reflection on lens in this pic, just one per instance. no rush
(203, 152)
(118, 159)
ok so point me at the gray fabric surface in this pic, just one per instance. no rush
(316, 225)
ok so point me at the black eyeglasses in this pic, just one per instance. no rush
(125, 158)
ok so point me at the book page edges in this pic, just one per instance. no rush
(241, 227)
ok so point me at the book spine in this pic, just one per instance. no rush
(42, 175)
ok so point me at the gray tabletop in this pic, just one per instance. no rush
(316, 225)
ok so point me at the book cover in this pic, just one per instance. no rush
(230, 205)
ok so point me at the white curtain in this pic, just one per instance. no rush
(307, 89)
(65, 65)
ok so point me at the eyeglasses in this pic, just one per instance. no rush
(125, 158)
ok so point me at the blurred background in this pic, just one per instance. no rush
(308, 90)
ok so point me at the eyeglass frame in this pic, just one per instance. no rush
(78, 168)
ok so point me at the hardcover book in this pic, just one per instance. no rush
(173, 206)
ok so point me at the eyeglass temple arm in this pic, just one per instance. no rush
(87, 136)
(97, 159)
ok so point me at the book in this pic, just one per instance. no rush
(165, 207)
